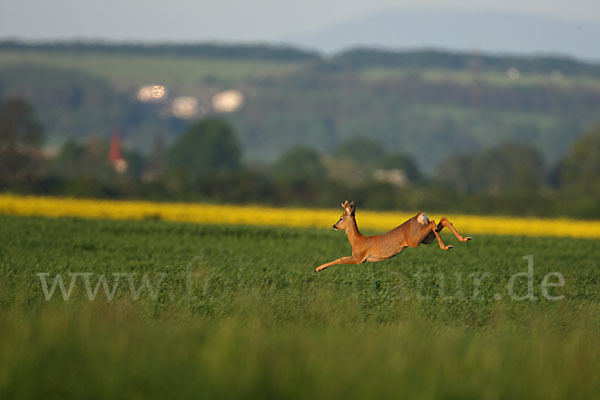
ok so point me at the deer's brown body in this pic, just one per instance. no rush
(419, 229)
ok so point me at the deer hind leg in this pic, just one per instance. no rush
(343, 260)
(445, 223)
(431, 236)
(434, 229)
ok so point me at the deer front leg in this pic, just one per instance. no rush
(343, 260)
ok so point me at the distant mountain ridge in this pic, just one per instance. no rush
(257, 51)
(486, 31)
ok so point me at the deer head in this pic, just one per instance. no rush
(347, 216)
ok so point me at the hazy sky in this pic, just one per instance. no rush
(228, 20)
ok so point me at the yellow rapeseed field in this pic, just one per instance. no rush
(293, 217)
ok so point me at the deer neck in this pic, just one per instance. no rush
(353, 232)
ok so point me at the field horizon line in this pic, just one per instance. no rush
(258, 215)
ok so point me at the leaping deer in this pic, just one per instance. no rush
(419, 229)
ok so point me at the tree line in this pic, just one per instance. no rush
(360, 58)
(211, 50)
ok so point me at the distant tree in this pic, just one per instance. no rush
(299, 163)
(299, 177)
(20, 140)
(19, 126)
(86, 159)
(403, 162)
(508, 167)
(580, 169)
(361, 149)
(69, 152)
(208, 146)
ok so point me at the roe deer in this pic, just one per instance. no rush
(419, 229)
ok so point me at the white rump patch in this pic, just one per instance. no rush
(423, 219)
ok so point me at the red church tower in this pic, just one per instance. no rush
(114, 153)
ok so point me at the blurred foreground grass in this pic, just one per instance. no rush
(255, 321)
(97, 352)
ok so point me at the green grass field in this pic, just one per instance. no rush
(238, 312)
(127, 71)
(181, 73)
(492, 78)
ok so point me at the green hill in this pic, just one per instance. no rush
(431, 104)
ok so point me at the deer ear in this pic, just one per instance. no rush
(351, 204)
(343, 206)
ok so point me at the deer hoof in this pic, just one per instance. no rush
(467, 238)
(448, 247)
